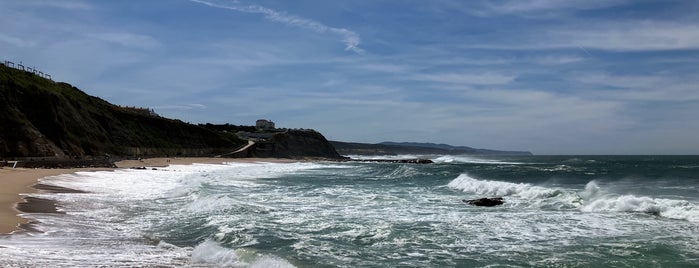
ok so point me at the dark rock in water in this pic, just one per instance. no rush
(485, 202)
(652, 212)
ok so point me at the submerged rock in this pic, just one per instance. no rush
(485, 202)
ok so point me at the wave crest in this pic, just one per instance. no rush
(595, 199)
(500, 188)
(449, 159)
(592, 199)
(210, 252)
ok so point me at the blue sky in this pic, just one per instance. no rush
(548, 76)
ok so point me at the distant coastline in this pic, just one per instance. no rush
(398, 148)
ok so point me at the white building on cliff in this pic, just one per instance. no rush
(264, 124)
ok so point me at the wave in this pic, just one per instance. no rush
(597, 200)
(381, 157)
(592, 198)
(210, 252)
(448, 159)
(500, 188)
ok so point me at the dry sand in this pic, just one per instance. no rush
(14, 181)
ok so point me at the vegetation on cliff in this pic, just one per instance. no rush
(42, 118)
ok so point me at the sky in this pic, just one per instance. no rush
(546, 76)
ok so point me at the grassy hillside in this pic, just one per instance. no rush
(42, 118)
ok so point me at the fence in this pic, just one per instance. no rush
(20, 66)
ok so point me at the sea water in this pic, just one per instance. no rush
(559, 211)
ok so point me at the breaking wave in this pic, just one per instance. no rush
(211, 253)
(597, 199)
(448, 159)
(591, 199)
(501, 188)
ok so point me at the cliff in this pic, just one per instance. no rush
(296, 144)
(302, 144)
(42, 118)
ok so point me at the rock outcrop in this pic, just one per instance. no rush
(296, 144)
(485, 202)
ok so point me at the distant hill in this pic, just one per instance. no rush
(396, 148)
(40, 118)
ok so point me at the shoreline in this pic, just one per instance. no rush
(17, 181)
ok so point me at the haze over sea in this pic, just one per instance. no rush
(559, 211)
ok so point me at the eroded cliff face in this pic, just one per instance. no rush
(296, 144)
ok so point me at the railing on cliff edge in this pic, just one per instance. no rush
(20, 66)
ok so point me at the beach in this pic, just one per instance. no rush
(15, 181)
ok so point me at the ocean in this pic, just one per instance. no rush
(559, 211)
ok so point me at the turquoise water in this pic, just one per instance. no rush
(559, 211)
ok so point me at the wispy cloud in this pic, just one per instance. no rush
(482, 79)
(518, 6)
(16, 41)
(630, 35)
(349, 38)
(180, 106)
(650, 87)
(74, 5)
(128, 39)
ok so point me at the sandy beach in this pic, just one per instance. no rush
(15, 181)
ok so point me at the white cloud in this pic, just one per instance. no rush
(518, 6)
(466, 78)
(127, 39)
(652, 87)
(605, 35)
(16, 41)
(631, 36)
(191, 106)
(384, 67)
(74, 5)
(349, 38)
(556, 59)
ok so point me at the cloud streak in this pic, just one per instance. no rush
(16, 41)
(518, 6)
(349, 38)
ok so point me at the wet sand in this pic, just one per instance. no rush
(15, 181)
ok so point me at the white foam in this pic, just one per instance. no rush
(471, 160)
(500, 188)
(591, 199)
(391, 157)
(346, 220)
(598, 200)
(210, 252)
